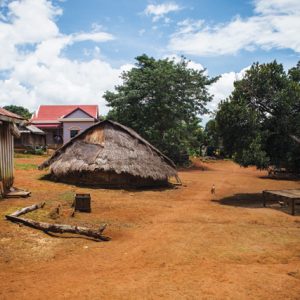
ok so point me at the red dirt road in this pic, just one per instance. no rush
(168, 244)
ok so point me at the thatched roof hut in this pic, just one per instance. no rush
(110, 154)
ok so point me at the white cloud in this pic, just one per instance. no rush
(158, 11)
(142, 31)
(93, 36)
(34, 67)
(275, 24)
(222, 88)
(274, 6)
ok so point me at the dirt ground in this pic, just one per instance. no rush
(179, 243)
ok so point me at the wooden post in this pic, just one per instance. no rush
(1, 189)
(292, 204)
(264, 199)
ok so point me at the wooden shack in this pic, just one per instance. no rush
(30, 138)
(111, 155)
(8, 130)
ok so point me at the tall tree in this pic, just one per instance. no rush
(19, 110)
(162, 100)
(259, 123)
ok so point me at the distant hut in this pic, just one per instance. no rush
(110, 154)
(8, 130)
(31, 138)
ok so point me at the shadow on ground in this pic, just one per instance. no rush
(254, 200)
(66, 236)
(196, 165)
(289, 178)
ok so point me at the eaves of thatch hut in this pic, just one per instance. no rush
(110, 154)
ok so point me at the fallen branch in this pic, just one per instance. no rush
(27, 209)
(56, 228)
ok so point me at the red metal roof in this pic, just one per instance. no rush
(48, 125)
(55, 112)
(9, 114)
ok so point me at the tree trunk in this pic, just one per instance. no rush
(56, 228)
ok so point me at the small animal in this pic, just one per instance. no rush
(73, 213)
(213, 189)
(54, 213)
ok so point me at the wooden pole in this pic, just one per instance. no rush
(1, 189)
(264, 199)
(292, 204)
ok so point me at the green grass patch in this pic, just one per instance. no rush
(67, 196)
(22, 155)
(41, 215)
(28, 155)
(9, 211)
(24, 166)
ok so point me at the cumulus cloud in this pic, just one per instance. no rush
(274, 24)
(93, 36)
(222, 88)
(158, 11)
(32, 64)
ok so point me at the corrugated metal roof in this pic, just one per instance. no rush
(9, 116)
(31, 129)
(35, 130)
(49, 125)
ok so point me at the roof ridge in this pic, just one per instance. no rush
(76, 108)
(127, 129)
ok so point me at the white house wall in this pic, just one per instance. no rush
(68, 126)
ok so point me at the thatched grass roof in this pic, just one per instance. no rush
(111, 147)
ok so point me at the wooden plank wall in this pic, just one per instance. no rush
(6, 157)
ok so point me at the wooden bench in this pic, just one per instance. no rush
(289, 197)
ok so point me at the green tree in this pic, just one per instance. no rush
(211, 134)
(259, 122)
(162, 100)
(19, 110)
(211, 138)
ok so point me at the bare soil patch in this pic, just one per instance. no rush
(179, 243)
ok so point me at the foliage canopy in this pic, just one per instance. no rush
(162, 100)
(259, 122)
(19, 110)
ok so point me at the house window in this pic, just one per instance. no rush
(73, 132)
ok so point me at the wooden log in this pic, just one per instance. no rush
(55, 228)
(27, 209)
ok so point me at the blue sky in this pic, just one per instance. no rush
(135, 32)
(57, 52)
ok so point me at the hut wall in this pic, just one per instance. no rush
(29, 140)
(110, 179)
(6, 156)
(52, 135)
